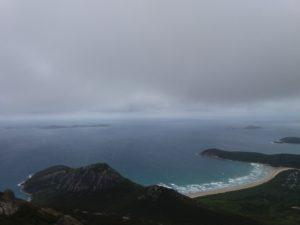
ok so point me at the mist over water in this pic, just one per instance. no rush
(149, 151)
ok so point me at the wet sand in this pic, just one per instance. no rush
(274, 171)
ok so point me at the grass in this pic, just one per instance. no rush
(270, 203)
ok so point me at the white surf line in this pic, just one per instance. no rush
(275, 171)
(258, 171)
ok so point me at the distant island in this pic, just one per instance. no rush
(275, 160)
(50, 127)
(252, 127)
(289, 140)
(74, 126)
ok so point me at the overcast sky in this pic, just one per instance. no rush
(70, 56)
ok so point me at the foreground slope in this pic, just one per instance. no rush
(276, 202)
(97, 194)
(14, 211)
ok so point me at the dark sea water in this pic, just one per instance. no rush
(152, 151)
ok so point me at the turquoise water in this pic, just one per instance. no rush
(153, 151)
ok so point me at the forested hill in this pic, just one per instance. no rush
(276, 160)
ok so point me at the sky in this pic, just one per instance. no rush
(71, 57)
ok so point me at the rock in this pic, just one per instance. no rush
(68, 220)
(296, 207)
(8, 205)
(8, 195)
(93, 178)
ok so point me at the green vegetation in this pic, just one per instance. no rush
(97, 194)
(274, 203)
(276, 160)
(289, 140)
(29, 215)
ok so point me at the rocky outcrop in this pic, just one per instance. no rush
(93, 187)
(156, 193)
(8, 204)
(68, 220)
(93, 178)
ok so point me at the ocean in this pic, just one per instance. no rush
(147, 151)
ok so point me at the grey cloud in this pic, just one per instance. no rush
(69, 55)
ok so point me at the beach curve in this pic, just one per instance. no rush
(274, 171)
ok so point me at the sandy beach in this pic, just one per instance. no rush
(274, 171)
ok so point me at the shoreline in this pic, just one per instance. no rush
(273, 173)
(20, 185)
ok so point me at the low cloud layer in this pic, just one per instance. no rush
(68, 56)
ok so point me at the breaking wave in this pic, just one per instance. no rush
(258, 172)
